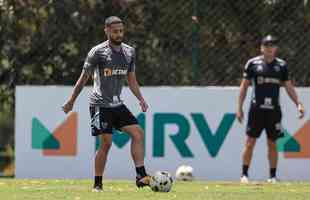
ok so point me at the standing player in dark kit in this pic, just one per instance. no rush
(109, 63)
(266, 73)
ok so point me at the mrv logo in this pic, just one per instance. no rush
(211, 140)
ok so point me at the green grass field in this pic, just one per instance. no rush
(117, 190)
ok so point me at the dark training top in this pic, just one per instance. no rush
(266, 80)
(109, 68)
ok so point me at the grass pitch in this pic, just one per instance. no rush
(11, 189)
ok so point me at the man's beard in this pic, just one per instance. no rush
(116, 42)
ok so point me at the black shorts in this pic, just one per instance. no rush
(263, 119)
(103, 120)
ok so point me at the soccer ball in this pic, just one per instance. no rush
(184, 173)
(161, 182)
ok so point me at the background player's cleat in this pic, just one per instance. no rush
(144, 181)
(97, 188)
(244, 179)
(272, 180)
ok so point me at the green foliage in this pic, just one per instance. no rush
(45, 42)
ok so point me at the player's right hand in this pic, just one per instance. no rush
(67, 107)
(239, 115)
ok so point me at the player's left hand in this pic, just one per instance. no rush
(239, 115)
(301, 110)
(143, 105)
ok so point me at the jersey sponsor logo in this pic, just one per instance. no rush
(271, 107)
(107, 72)
(115, 72)
(262, 80)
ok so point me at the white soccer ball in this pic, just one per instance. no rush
(161, 182)
(185, 173)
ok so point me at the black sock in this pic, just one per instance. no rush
(141, 171)
(98, 181)
(273, 172)
(245, 169)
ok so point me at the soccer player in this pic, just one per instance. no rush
(266, 73)
(109, 63)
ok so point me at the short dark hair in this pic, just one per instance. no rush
(112, 20)
(269, 40)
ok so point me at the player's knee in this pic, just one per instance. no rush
(249, 146)
(250, 143)
(138, 135)
(272, 143)
(272, 149)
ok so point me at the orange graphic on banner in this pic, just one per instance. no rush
(66, 134)
(303, 138)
